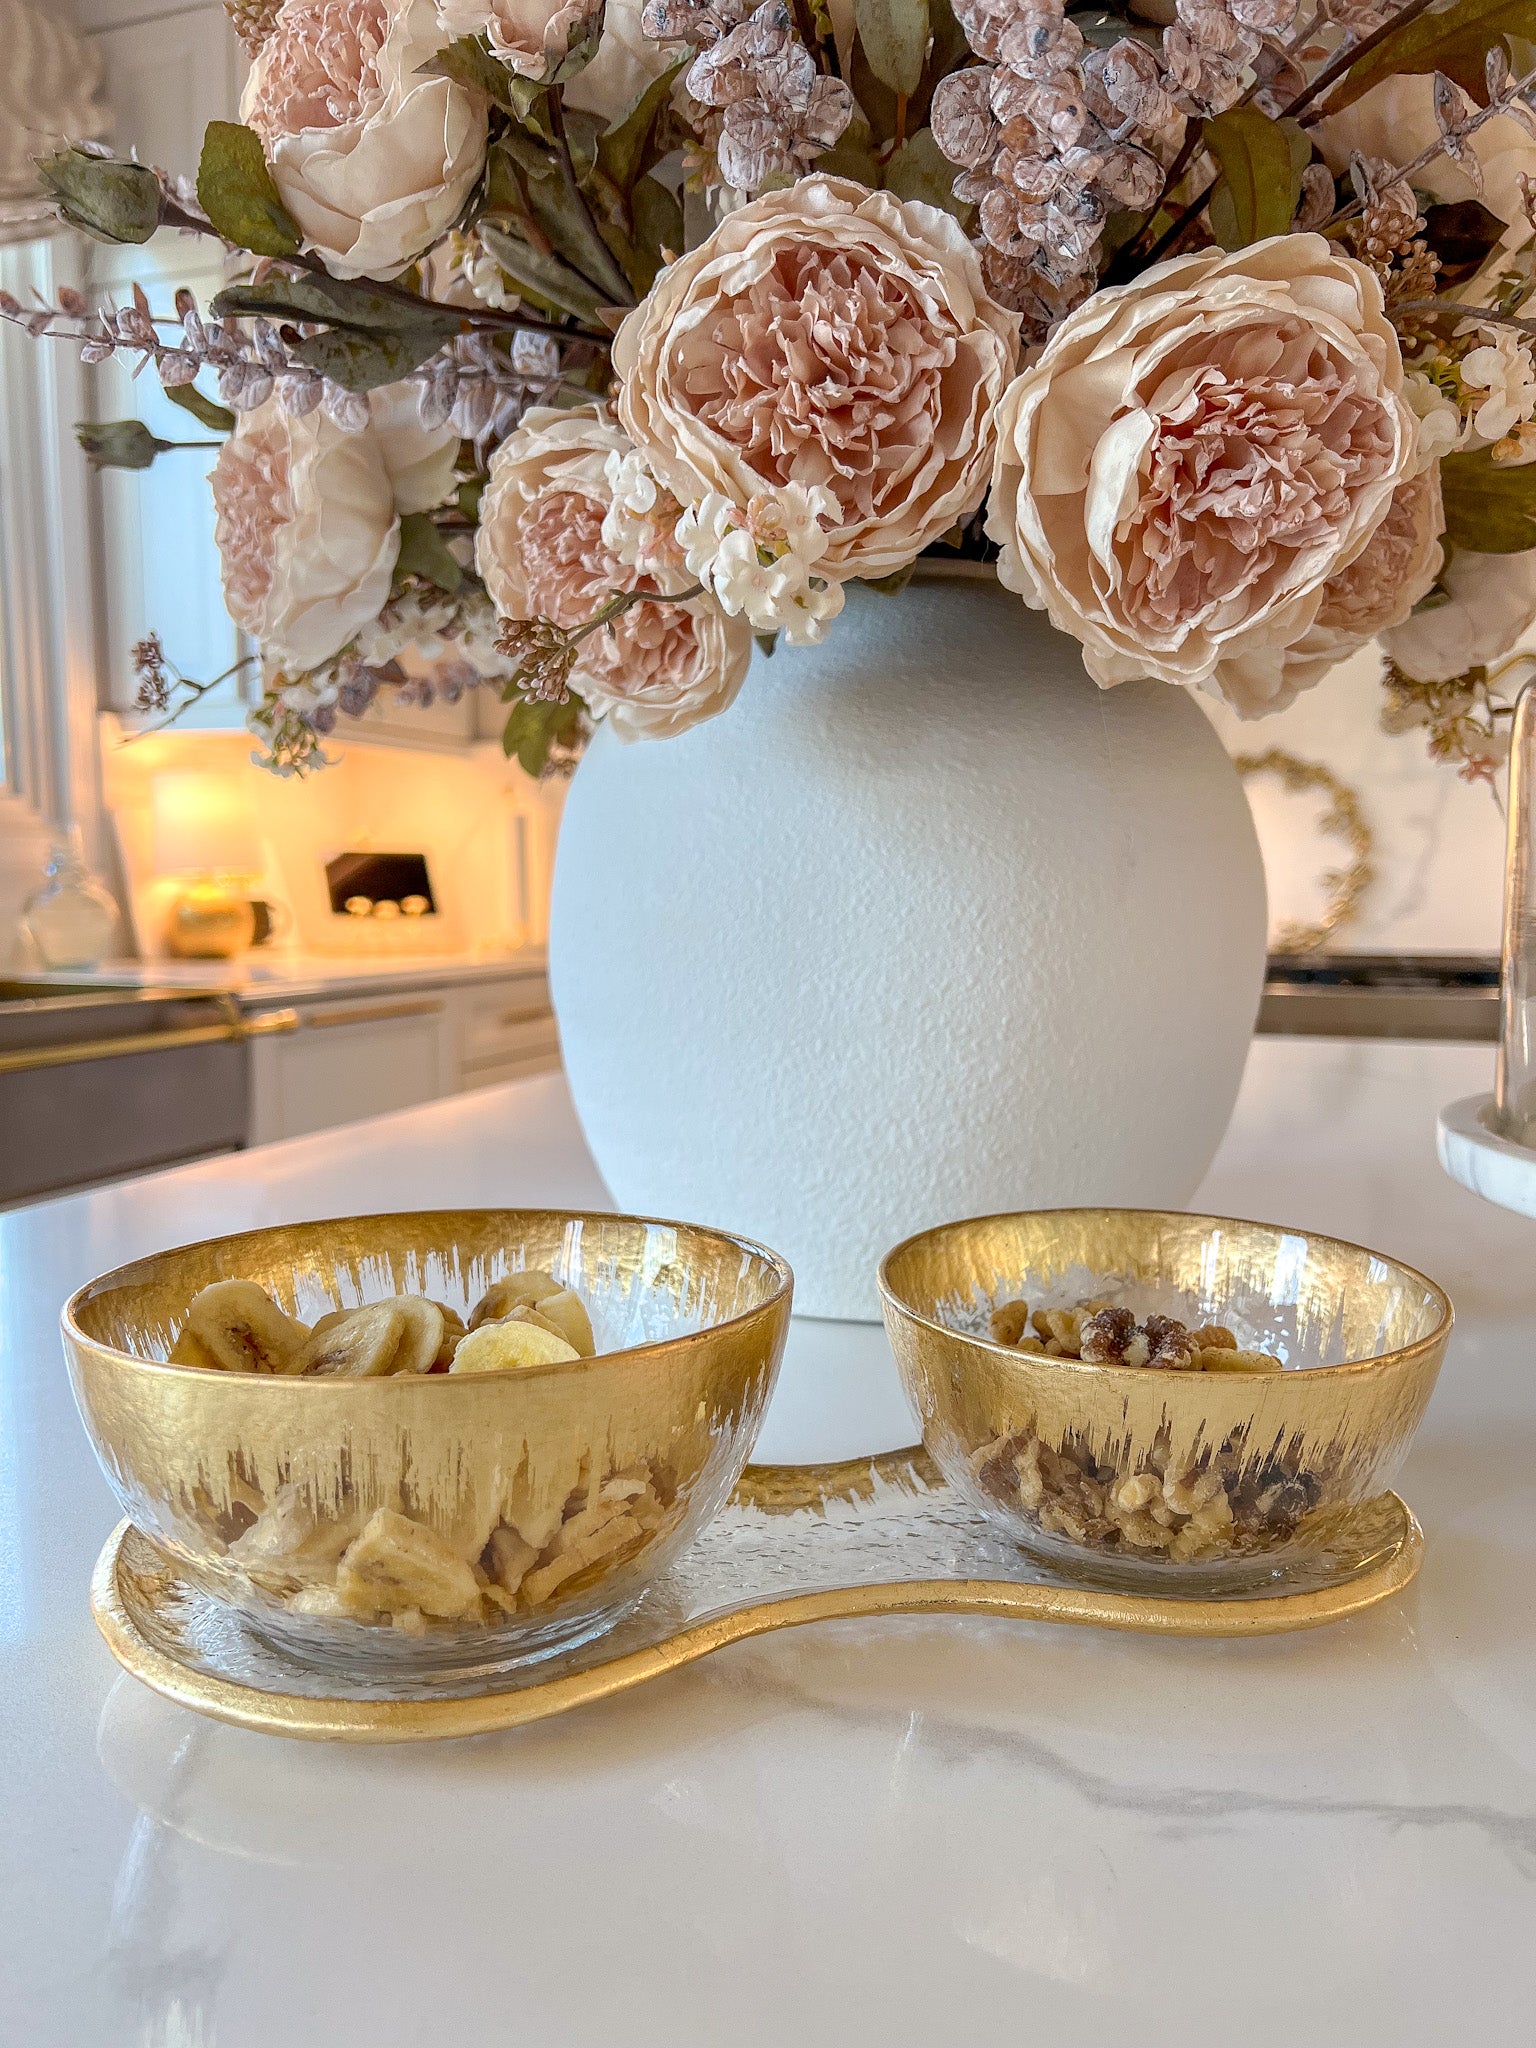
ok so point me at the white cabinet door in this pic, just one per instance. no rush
(348, 1060)
(506, 1029)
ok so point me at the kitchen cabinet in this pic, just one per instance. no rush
(322, 1062)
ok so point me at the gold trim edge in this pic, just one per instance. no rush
(322, 1720)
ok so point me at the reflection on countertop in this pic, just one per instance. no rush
(852, 1836)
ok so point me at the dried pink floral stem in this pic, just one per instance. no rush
(1343, 62)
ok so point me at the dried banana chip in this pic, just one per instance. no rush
(509, 1558)
(453, 1330)
(502, 1347)
(397, 1564)
(190, 1350)
(423, 1335)
(244, 1330)
(291, 1535)
(402, 1335)
(568, 1314)
(518, 1290)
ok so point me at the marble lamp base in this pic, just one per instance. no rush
(1472, 1152)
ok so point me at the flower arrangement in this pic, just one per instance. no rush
(568, 348)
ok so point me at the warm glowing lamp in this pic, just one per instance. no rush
(206, 837)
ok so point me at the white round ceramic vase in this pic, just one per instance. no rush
(925, 926)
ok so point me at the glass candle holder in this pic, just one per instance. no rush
(71, 920)
(1515, 1082)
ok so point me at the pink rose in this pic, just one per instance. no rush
(374, 160)
(531, 37)
(1380, 587)
(308, 519)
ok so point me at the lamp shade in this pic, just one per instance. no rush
(204, 823)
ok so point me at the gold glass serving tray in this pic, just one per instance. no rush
(796, 1543)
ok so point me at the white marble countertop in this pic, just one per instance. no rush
(260, 978)
(901, 1833)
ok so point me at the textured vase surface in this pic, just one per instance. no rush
(925, 926)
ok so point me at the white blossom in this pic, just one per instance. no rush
(1503, 369)
(1438, 417)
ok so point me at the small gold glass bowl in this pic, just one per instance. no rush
(510, 1515)
(1135, 1478)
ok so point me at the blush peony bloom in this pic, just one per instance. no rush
(373, 159)
(1490, 605)
(1195, 455)
(308, 519)
(824, 336)
(541, 554)
(1381, 586)
(530, 36)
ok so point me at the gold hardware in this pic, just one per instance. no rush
(268, 1023)
(127, 1043)
(363, 1013)
(533, 1016)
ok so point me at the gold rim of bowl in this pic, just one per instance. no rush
(1185, 1218)
(125, 1275)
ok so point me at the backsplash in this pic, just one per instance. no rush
(486, 829)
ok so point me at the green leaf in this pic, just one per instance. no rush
(1261, 165)
(1489, 508)
(580, 54)
(1455, 40)
(768, 644)
(239, 195)
(424, 553)
(532, 155)
(920, 170)
(560, 213)
(469, 62)
(110, 201)
(120, 444)
(550, 280)
(362, 362)
(526, 93)
(533, 730)
(895, 36)
(850, 157)
(217, 417)
(338, 302)
(658, 228)
(630, 147)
